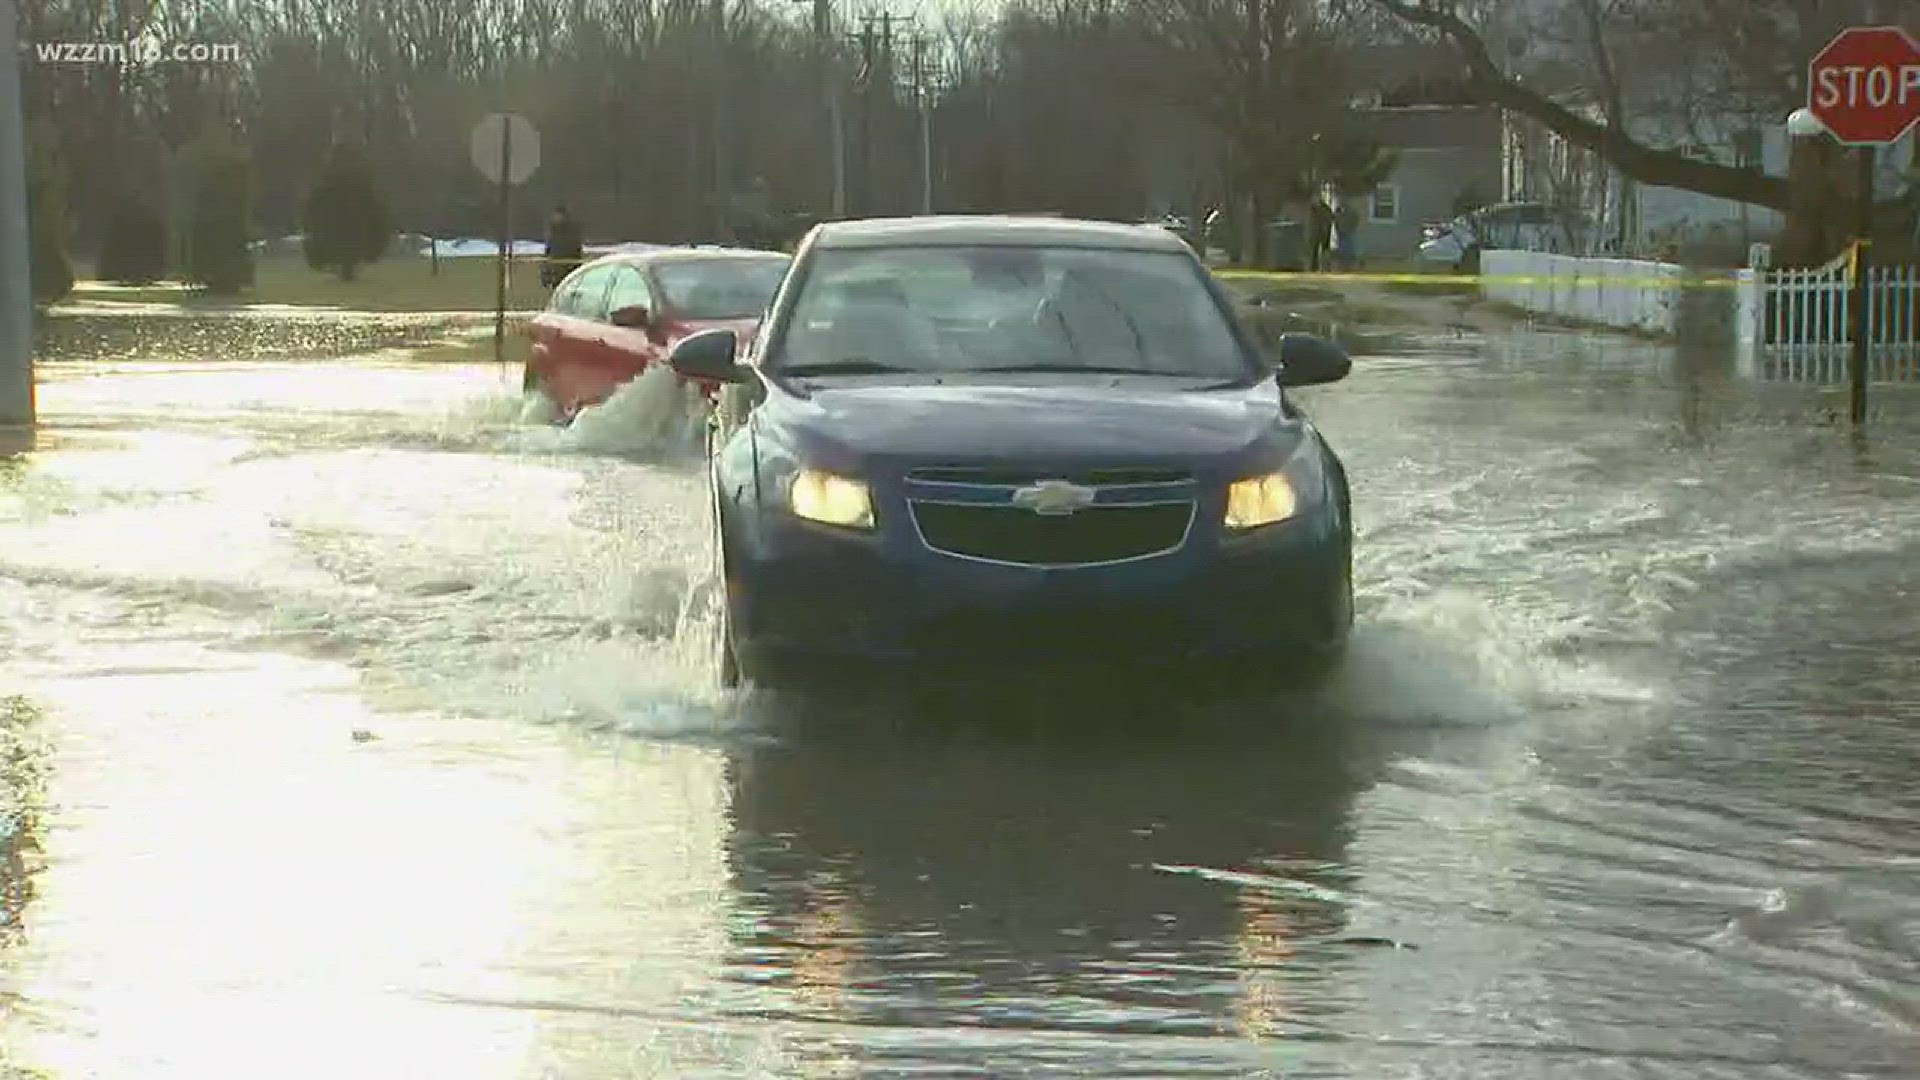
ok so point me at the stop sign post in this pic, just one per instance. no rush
(506, 150)
(1864, 88)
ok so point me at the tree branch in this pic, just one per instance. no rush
(1634, 159)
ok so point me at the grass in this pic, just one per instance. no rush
(465, 284)
(477, 347)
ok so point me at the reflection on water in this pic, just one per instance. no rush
(1011, 869)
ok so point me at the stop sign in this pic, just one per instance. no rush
(1865, 85)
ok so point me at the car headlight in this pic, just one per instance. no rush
(1260, 500)
(831, 500)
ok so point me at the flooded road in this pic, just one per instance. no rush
(353, 725)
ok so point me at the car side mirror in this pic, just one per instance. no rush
(1307, 360)
(633, 316)
(708, 355)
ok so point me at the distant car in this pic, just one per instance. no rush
(619, 314)
(1520, 226)
(1014, 440)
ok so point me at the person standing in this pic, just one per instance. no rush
(1346, 223)
(1319, 233)
(564, 247)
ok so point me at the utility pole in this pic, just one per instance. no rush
(722, 171)
(886, 71)
(926, 123)
(868, 74)
(16, 277)
(830, 88)
(876, 67)
(1250, 201)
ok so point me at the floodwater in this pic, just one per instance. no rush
(351, 724)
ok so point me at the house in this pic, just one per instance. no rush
(1409, 97)
(1414, 101)
(1448, 162)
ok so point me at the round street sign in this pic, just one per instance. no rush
(1865, 85)
(522, 149)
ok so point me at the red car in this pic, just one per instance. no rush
(618, 315)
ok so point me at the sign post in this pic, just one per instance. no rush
(506, 150)
(1864, 87)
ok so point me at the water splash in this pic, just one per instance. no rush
(655, 415)
(1452, 657)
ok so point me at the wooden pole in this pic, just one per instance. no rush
(506, 242)
(1862, 325)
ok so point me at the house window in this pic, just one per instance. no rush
(1386, 203)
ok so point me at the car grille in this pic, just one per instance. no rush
(1017, 535)
(1018, 477)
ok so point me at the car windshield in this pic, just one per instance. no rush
(719, 288)
(950, 310)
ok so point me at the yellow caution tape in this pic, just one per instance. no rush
(1465, 281)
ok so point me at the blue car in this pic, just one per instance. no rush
(962, 444)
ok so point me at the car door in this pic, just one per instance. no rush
(626, 351)
(547, 333)
(579, 330)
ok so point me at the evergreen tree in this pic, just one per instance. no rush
(134, 249)
(220, 225)
(47, 228)
(348, 223)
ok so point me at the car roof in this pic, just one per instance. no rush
(685, 254)
(658, 256)
(994, 230)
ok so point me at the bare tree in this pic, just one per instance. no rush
(1703, 64)
(1608, 135)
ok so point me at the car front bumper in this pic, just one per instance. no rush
(800, 594)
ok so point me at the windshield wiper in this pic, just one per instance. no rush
(842, 367)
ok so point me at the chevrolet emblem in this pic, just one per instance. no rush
(1054, 498)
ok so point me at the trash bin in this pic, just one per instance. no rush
(1286, 244)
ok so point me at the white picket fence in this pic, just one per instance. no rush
(1624, 293)
(1796, 325)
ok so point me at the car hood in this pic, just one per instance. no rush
(892, 425)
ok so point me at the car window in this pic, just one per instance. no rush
(588, 299)
(561, 302)
(956, 309)
(629, 288)
(730, 288)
